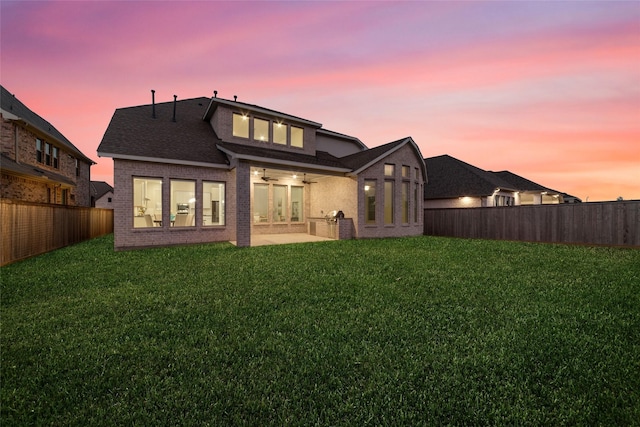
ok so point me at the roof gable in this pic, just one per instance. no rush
(364, 159)
(100, 188)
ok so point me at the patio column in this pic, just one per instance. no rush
(243, 205)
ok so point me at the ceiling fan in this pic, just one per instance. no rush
(304, 180)
(265, 177)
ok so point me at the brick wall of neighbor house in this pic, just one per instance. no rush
(104, 203)
(458, 202)
(128, 237)
(36, 191)
(404, 156)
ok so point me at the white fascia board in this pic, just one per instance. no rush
(167, 161)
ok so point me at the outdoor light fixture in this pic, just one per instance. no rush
(366, 188)
(295, 176)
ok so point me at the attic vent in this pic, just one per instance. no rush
(153, 103)
(174, 107)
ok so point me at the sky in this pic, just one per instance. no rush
(549, 90)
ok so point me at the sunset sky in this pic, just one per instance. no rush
(547, 90)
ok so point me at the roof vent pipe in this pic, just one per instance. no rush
(174, 107)
(235, 97)
(153, 103)
(215, 93)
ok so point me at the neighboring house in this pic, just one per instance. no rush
(101, 195)
(38, 163)
(211, 169)
(531, 193)
(456, 184)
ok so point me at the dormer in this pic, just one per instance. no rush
(252, 125)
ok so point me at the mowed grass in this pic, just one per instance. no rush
(411, 331)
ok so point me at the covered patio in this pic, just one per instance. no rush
(283, 239)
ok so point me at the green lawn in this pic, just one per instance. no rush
(412, 331)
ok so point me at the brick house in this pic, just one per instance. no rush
(456, 184)
(38, 163)
(212, 169)
(101, 195)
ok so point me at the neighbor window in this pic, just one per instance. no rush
(47, 154)
(297, 137)
(389, 170)
(39, 150)
(260, 130)
(388, 202)
(77, 167)
(405, 202)
(416, 194)
(297, 204)
(261, 203)
(183, 203)
(56, 164)
(213, 203)
(370, 202)
(240, 125)
(279, 203)
(147, 202)
(280, 133)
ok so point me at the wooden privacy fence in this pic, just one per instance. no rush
(606, 223)
(30, 229)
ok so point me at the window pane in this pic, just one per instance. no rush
(279, 133)
(388, 202)
(370, 202)
(147, 202)
(405, 202)
(55, 157)
(183, 203)
(415, 203)
(260, 202)
(47, 153)
(240, 125)
(279, 203)
(297, 204)
(39, 150)
(260, 130)
(406, 170)
(213, 203)
(389, 170)
(297, 135)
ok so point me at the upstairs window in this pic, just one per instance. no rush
(261, 130)
(280, 133)
(39, 150)
(240, 125)
(56, 164)
(297, 137)
(47, 154)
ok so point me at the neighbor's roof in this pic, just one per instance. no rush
(450, 177)
(100, 188)
(523, 184)
(33, 172)
(134, 134)
(14, 109)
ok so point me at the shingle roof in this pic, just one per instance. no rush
(520, 183)
(14, 106)
(321, 158)
(133, 132)
(34, 172)
(450, 177)
(100, 188)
